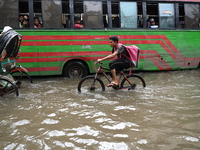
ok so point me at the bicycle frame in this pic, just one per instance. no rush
(101, 70)
(94, 82)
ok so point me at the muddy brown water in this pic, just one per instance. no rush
(51, 114)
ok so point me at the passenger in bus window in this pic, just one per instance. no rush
(105, 23)
(116, 22)
(21, 19)
(25, 24)
(77, 21)
(37, 23)
(152, 23)
(64, 21)
(140, 22)
(26, 17)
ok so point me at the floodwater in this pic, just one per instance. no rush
(51, 114)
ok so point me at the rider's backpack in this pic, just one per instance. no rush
(134, 54)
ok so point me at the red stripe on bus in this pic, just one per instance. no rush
(60, 59)
(88, 37)
(43, 69)
(57, 43)
(71, 54)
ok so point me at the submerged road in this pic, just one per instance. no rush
(51, 114)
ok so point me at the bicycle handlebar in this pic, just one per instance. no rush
(97, 62)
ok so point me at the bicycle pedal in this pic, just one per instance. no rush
(115, 87)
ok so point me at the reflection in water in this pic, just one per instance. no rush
(51, 114)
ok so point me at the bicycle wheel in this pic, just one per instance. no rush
(18, 75)
(89, 84)
(7, 87)
(132, 82)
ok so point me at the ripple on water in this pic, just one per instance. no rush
(54, 133)
(113, 145)
(50, 121)
(118, 126)
(20, 123)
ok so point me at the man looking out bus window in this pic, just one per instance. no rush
(119, 64)
(152, 23)
(77, 22)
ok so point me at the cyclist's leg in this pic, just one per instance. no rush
(117, 65)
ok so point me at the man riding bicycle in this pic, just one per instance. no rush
(122, 62)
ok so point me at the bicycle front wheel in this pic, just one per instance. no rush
(133, 82)
(90, 84)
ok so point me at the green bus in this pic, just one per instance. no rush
(167, 33)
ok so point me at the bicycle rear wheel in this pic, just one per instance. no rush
(89, 84)
(133, 82)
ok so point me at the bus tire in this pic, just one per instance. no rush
(75, 69)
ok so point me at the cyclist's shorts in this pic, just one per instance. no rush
(119, 64)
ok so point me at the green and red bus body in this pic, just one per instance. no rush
(47, 52)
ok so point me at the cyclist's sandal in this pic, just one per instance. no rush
(112, 84)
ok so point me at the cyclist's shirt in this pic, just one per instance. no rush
(121, 49)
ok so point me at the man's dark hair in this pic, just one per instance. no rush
(114, 38)
(77, 18)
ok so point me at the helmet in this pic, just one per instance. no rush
(6, 28)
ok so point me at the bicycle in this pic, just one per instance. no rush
(93, 83)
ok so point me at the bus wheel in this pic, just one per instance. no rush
(75, 69)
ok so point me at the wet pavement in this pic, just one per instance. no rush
(52, 114)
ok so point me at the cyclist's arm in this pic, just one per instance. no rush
(108, 57)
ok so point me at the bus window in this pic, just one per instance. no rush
(166, 15)
(140, 16)
(9, 18)
(152, 15)
(65, 14)
(93, 14)
(24, 18)
(78, 12)
(181, 16)
(115, 15)
(191, 16)
(128, 14)
(37, 14)
(52, 13)
(105, 15)
(23, 14)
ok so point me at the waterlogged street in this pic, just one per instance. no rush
(52, 114)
